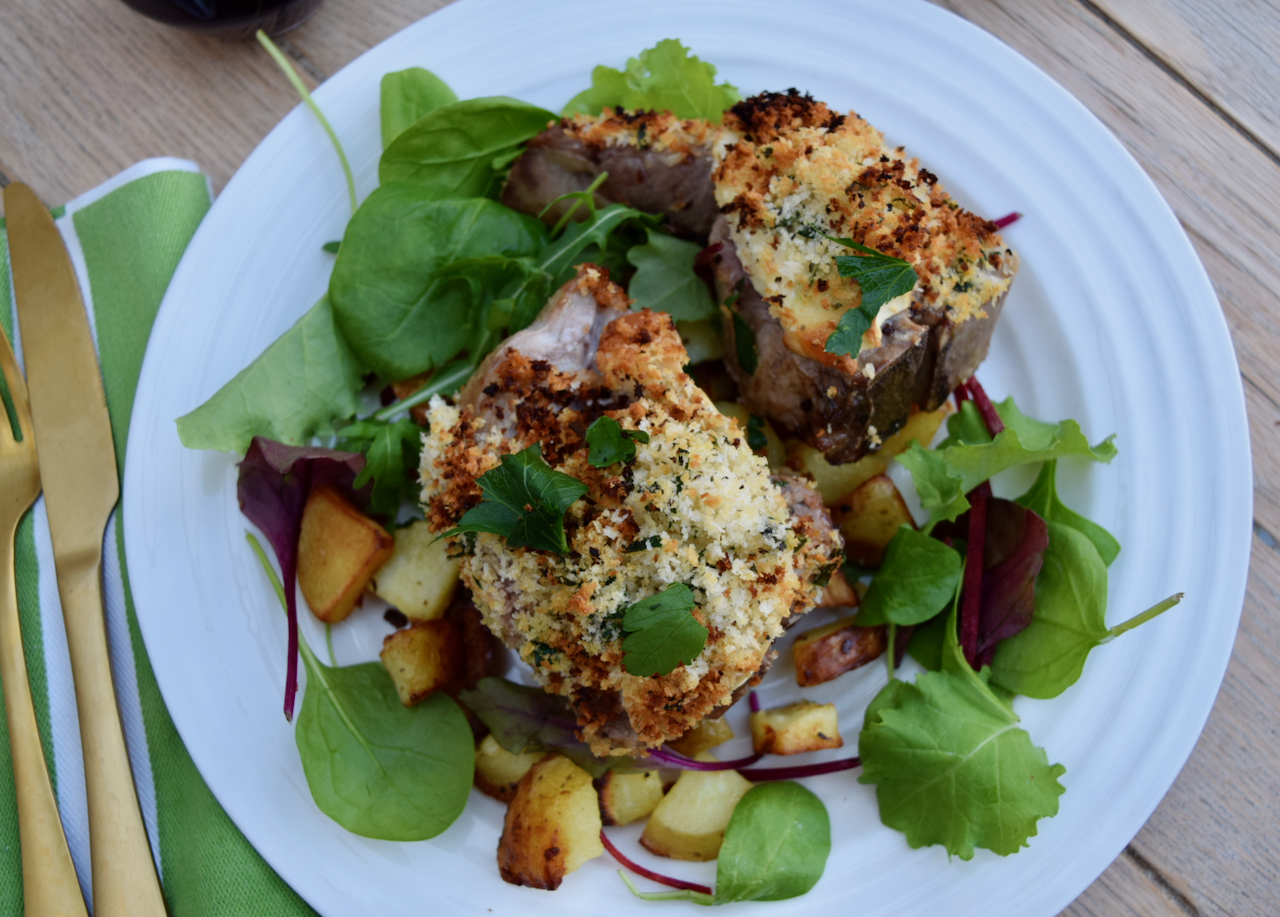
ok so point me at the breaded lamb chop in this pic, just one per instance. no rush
(782, 170)
(694, 506)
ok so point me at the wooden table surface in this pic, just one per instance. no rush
(1192, 89)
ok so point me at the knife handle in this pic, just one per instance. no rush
(125, 883)
(49, 884)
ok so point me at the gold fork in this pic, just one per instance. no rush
(49, 884)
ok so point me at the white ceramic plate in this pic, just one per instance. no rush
(1112, 321)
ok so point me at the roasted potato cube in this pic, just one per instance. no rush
(834, 481)
(707, 734)
(498, 771)
(552, 826)
(423, 658)
(403, 388)
(420, 578)
(837, 592)
(869, 517)
(795, 728)
(689, 823)
(339, 551)
(774, 451)
(822, 654)
(627, 797)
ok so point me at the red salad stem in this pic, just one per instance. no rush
(970, 606)
(661, 757)
(974, 390)
(754, 702)
(760, 774)
(1007, 219)
(649, 873)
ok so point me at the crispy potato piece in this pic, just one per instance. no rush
(837, 592)
(774, 451)
(869, 517)
(834, 481)
(498, 771)
(822, 654)
(419, 578)
(552, 826)
(795, 728)
(423, 658)
(627, 797)
(689, 823)
(339, 550)
(707, 734)
(406, 387)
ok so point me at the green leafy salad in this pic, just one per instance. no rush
(992, 598)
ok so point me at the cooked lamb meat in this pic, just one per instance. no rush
(656, 163)
(789, 173)
(694, 506)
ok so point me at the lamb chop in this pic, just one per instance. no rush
(694, 506)
(784, 173)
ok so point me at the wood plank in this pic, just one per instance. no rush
(1229, 52)
(1125, 890)
(1212, 840)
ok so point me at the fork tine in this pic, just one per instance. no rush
(16, 384)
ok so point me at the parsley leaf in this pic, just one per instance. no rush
(744, 346)
(881, 279)
(524, 501)
(391, 450)
(757, 439)
(610, 443)
(661, 634)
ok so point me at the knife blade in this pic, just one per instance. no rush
(81, 486)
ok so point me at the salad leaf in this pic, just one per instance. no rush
(391, 450)
(951, 767)
(665, 281)
(918, 577)
(407, 95)
(525, 502)
(375, 766)
(1043, 499)
(292, 391)
(274, 483)
(461, 149)
(1070, 619)
(943, 476)
(664, 77)
(610, 443)
(775, 846)
(523, 719)
(661, 632)
(393, 295)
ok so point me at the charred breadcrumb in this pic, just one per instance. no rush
(695, 506)
(660, 131)
(786, 166)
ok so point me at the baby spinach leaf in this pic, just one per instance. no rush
(944, 475)
(775, 846)
(525, 502)
(391, 450)
(523, 719)
(610, 443)
(394, 297)
(951, 767)
(292, 391)
(665, 77)
(1070, 619)
(407, 95)
(665, 281)
(918, 577)
(661, 632)
(460, 150)
(1043, 499)
(375, 766)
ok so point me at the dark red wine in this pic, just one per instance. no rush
(229, 18)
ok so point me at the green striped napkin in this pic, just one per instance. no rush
(126, 238)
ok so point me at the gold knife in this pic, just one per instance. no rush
(81, 486)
